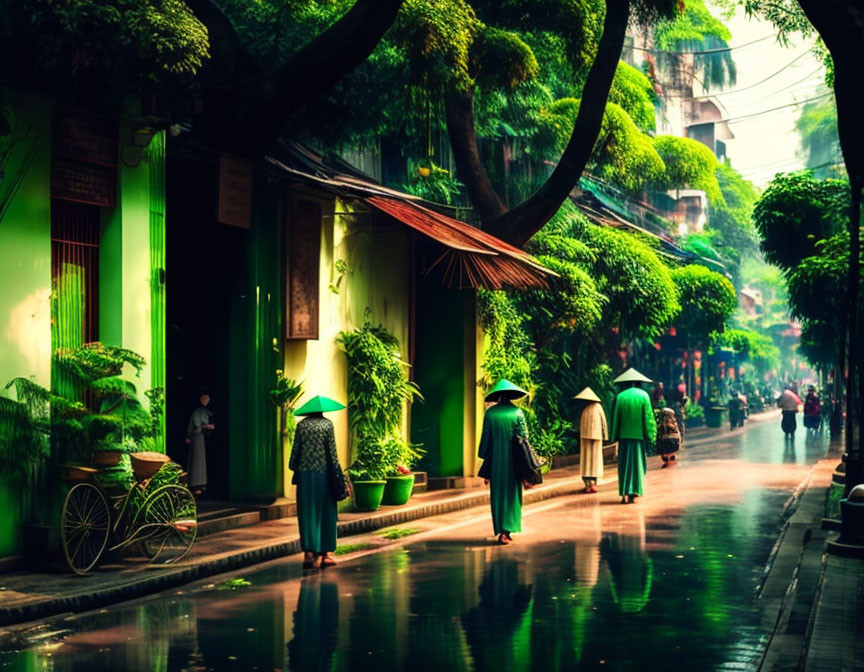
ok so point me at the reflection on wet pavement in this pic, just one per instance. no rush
(667, 583)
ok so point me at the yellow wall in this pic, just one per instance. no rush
(124, 266)
(25, 271)
(379, 259)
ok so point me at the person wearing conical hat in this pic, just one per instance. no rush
(634, 427)
(592, 431)
(317, 474)
(501, 424)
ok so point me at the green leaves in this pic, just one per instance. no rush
(378, 389)
(707, 299)
(689, 165)
(795, 212)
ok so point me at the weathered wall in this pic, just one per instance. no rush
(380, 263)
(25, 268)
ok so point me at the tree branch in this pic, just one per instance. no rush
(519, 224)
(319, 65)
(459, 108)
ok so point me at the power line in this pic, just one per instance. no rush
(774, 109)
(760, 82)
(705, 51)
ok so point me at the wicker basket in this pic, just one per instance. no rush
(106, 458)
(145, 465)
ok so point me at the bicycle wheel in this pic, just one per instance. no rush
(171, 522)
(84, 527)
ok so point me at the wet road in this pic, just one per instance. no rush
(667, 583)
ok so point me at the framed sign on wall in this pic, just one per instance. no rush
(303, 265)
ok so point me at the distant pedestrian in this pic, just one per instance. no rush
(592, 432)
(812, 410)
(789, 404)
(503, 424)
(199, 427)
(658, 397)
(634, 427)
(736, 408)
(319, 480)
(668, 437)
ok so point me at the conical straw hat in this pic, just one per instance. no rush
(319, 404)
(507, 389)
(631, 375)
(587, 395)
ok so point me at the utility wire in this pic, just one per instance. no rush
(760, 82)
(774, 109)
(705, 51)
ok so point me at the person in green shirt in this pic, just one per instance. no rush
(634, 427)
(501, 424)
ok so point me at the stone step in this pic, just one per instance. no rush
(223, 519)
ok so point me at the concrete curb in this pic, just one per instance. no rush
(140, 585)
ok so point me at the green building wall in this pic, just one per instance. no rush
(25, 271)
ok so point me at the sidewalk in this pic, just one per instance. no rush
(28, 596)
(812, 601)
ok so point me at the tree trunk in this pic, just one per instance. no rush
(459, 108)
(518, 225)
(836, 23)
(247, 107)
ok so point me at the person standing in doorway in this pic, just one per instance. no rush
(503, 424)
(592, 431)
(200, 425)
(634, 427)
(319, 480)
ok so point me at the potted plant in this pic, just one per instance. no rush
(400, 479)
(548, 442)
(695, 415)
(378, 389)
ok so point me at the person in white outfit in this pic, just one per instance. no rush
(593, 429)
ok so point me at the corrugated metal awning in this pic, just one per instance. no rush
(474, 258)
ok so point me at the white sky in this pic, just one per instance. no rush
(768, 143)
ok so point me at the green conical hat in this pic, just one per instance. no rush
(319, 404)
(507, 389)
(631, 375)
(587, 395)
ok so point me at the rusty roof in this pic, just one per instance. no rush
(472, 258)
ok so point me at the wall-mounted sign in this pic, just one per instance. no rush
(83, 182)
(86, 139)
(235, 192)
(84, 162)
(304, 250)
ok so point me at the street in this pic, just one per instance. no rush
(666, 583)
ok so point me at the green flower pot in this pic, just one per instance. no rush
(368, 494)
(715, 416)
(398, 490)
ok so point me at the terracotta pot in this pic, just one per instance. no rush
(75, 473)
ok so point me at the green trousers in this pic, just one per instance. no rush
(631, 466)
(316, 512)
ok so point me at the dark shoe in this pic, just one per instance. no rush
(623, 500)
(503, 539)
(308, 560)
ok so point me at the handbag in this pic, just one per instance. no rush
(526, 464)
(338, 487)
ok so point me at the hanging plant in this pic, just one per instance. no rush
(378, 389)
(285, 396)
